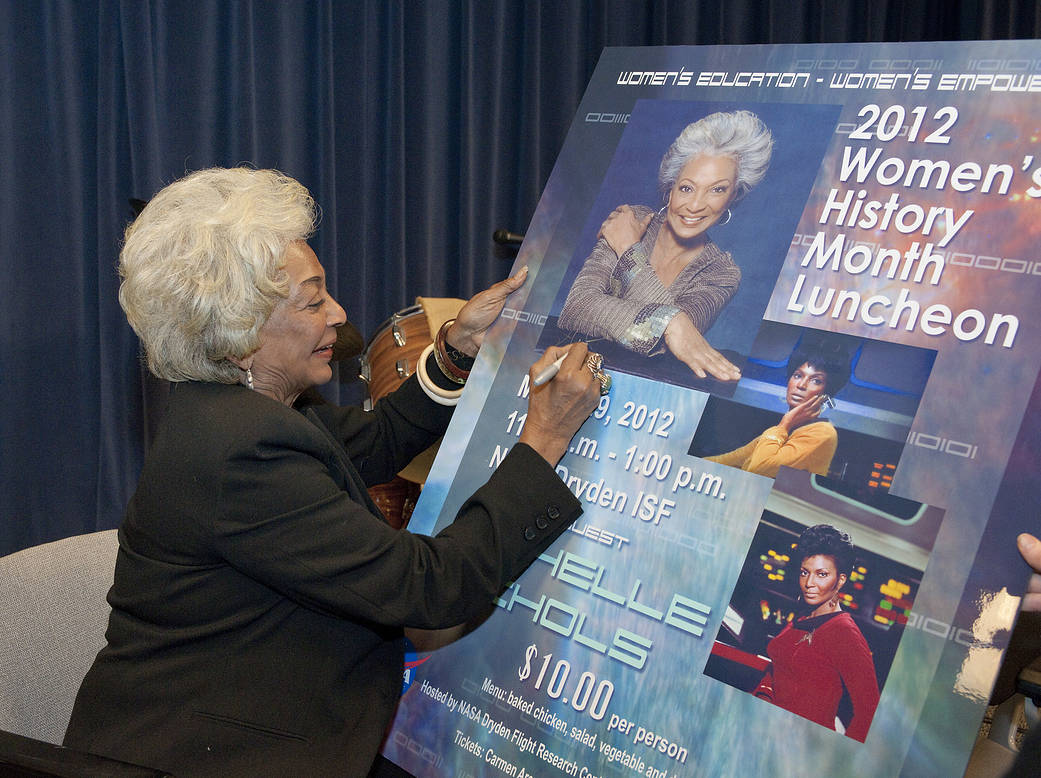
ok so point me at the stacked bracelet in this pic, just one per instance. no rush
(430, 387)
(453, 363)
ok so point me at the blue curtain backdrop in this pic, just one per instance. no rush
(419, 126)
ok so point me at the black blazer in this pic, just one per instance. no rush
(259, 596)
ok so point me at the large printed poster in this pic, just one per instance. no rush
(880, 266)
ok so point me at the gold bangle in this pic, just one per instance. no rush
(443, 357)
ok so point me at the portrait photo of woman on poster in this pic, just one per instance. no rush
(803, 438)
(821, 654)
(655, 282)
(826, 403)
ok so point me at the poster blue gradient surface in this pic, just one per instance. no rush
(899, 219)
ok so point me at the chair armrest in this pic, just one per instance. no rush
(24, 757)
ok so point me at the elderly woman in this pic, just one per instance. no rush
(260, 598)
(822, 652)
(801, 439)
(654, 277)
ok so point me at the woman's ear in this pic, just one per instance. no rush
(842, 581)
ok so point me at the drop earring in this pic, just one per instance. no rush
(729, 217)
(249, 378)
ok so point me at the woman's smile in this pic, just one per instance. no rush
(701, 195)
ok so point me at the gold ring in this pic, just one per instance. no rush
(595, 362)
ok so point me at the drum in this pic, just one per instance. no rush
(394, 350)
(396, 500)
(387, 361)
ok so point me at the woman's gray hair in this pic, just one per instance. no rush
(738, 134)
(203, 267)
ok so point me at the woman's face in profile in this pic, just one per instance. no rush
(819, 580)
(296, 342)
(804, 383)
(700, 196)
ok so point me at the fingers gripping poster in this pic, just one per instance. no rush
(812, 274)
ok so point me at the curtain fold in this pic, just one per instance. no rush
(420, 127)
